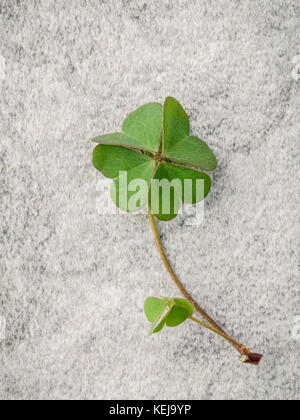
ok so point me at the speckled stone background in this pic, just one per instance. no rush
(73, 281)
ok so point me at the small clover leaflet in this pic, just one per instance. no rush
(167, 311)
(172, 312)
(154, 146)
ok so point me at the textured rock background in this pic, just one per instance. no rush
(73, 282)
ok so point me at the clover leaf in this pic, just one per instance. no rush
(167, 311)
(154, 160)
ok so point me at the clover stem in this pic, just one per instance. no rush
(249, 357)
(214, 330)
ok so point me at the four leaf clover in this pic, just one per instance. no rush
(155, 145)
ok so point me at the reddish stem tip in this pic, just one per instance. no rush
(251, 358)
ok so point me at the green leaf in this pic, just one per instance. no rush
(164, 195)
(178, 145)
(172, 185)
(180, 311)
(176, 316)
(141, 130)
(130, 190)
(145, 125)
(129, 170)
(110, 160)
(155, 148)
(185, 304)
(176, 124)
(154, 308)
(193, 152)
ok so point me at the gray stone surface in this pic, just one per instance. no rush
(73, 282)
